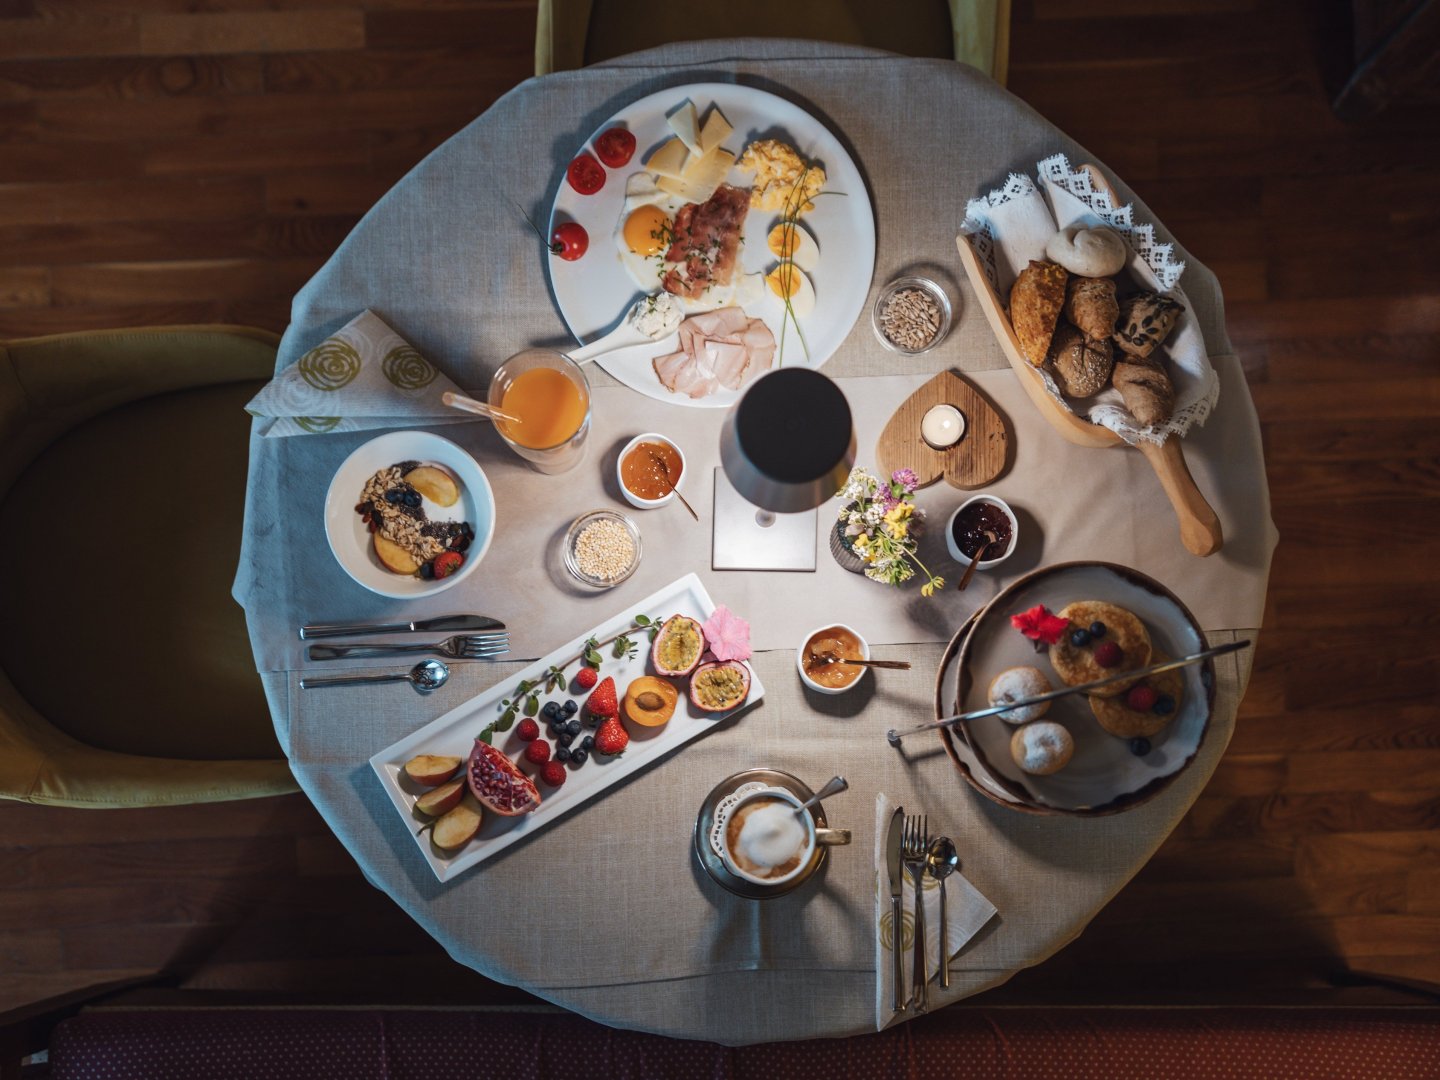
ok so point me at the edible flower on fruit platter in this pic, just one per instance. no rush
(882, 526)
(727, 635)
(1039, 625)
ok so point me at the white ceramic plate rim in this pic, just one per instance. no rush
(594, 292)
(346, 533)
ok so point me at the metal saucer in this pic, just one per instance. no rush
(712, 863)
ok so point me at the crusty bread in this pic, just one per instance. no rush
(1146, 320)
(1081, 366)
(1091, 305)
(1148, 392)
(1036, 300)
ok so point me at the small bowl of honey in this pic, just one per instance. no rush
(650, 469)
(826, 676)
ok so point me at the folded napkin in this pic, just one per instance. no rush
(362, 376)
(1011, 225)
(966, 908)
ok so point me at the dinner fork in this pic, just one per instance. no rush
(459, 647)
(914, 846)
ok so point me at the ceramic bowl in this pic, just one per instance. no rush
(818, 687)
(635, 500)
(984, 564)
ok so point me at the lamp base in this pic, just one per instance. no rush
(741, 542)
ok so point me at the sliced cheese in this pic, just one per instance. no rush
(686, 124)
(714, 132)
(669, 160)
(707, 173)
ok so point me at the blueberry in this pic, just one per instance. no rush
(427, 571)
(393, 496)
(562, 754)
(551, 709)
(462, 543)
(564, 739)
(1164, 705)
(412, 499)
(1080, 638)
(578, 756)
(1139, 746)
(571, 708)
(587, 742)
(1097, 629)
(572, 727)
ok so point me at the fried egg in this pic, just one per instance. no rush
(788, 281)
(642, 234)
(791, 240)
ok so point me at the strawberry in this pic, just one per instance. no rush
(528, 730)
(553, 773)
(603, 704)
(1108, 654)
(611, 738)
(585, 678)
(1142, 698)
(538, 752)
(446, 563)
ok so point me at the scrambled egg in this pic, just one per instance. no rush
(779, 171)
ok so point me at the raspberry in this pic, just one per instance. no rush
(586, 678)
(528, 731)
(553, 773)
(1108, 654)
(1142, 698)
(538, 752)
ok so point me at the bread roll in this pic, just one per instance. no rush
(1148, 392)
(1146, 320)
(1081, 366)
(1089, 252)
(1035, 302)
(1090, 304)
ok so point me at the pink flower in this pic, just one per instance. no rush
(727, 634)
(907, 479)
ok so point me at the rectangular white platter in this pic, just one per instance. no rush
(454, 733)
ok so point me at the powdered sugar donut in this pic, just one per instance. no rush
(1089, 252)
(1041, 748)
(1016, 684)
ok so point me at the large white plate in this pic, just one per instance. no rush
(454, 734)
(1103, 776)
(595, 292)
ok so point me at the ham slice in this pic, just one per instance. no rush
(706, 239)
(718, 348)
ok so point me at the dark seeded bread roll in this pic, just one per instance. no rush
(1146, 320)
(1080, 365)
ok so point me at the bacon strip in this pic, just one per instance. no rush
(706, 241)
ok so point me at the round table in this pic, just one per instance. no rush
(606, 912)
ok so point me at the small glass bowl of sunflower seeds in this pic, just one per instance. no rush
(911, 315)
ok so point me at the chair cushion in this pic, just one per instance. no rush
(120, 543)
(909, 27)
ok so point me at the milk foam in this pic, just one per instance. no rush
(771, 835)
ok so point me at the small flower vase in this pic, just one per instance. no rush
(842, 551)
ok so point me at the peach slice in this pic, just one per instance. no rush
(394, 557)
(431, 769)
(441, 800)
(457, 827)
(435, 484)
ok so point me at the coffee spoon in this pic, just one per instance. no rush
(942, 860)
(979, 554)
(426, 676)
(836, 785)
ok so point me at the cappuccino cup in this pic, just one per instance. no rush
(766, 842)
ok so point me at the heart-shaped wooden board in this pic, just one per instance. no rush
(976, 460)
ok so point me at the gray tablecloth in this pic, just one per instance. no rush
(607, 912)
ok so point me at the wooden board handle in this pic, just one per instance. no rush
(1199, 527)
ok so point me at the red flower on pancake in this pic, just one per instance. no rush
(1039, 625)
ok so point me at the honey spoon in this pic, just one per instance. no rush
(828, 658)
(665, 475)
(979, 554)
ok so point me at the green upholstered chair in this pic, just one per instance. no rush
(572, 33)
(126, 676)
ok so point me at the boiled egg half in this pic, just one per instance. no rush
(791, 240)
(789, 282)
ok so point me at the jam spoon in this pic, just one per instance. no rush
(979, 554)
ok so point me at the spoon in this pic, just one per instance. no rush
(942, 860)
(623, 336)
(979, 554)
(826, 659)
(426, 676)
(665, 475)
(836, 785)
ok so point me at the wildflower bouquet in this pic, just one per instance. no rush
(880, 523)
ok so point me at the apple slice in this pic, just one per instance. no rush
(435, 484)
(431, 769)
(394, 557)
(441, 800)
(457, 827)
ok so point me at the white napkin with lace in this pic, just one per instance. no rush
(967, 911)
(1011, 225)
(362, 376)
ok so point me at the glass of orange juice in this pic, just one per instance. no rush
(549, 396)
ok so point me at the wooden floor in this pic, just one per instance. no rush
(194, 160)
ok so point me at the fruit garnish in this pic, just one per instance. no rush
(553, 773)
(435, 484)
(1164, 705)
(727, 635)
(569, 241)
(718, 686)
(1108, 654)
(537, 753)
(585, 174)
(498, 783)
(1139, 746)
(650, 701)
(446, 563)
(615, 147)
(527, 730)
(586, 678)
(1079, 638)
(1097, 629)
(603, 703)
(1142, 698)
(394, 557)
(431, 769)
(611, 738)
(678, 646)
(458, 826)
(441, 800)
(1038, 624)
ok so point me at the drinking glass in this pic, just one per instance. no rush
(543, 401)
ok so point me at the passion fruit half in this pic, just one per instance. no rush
(720, 685)
(678, 647)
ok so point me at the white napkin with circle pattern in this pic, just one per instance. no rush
(966, 907)
(362, 376)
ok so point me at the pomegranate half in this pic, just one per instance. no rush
(498, 784)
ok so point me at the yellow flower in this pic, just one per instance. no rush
(899, 530)
(900, 512)
(861, 544)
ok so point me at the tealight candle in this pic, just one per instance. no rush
(942, 427)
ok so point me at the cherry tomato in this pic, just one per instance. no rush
(615, 147)
(569, 241)
(585, 175)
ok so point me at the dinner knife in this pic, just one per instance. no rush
(443, 624)
(897, 887)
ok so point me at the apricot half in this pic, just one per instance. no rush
(650, 701)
